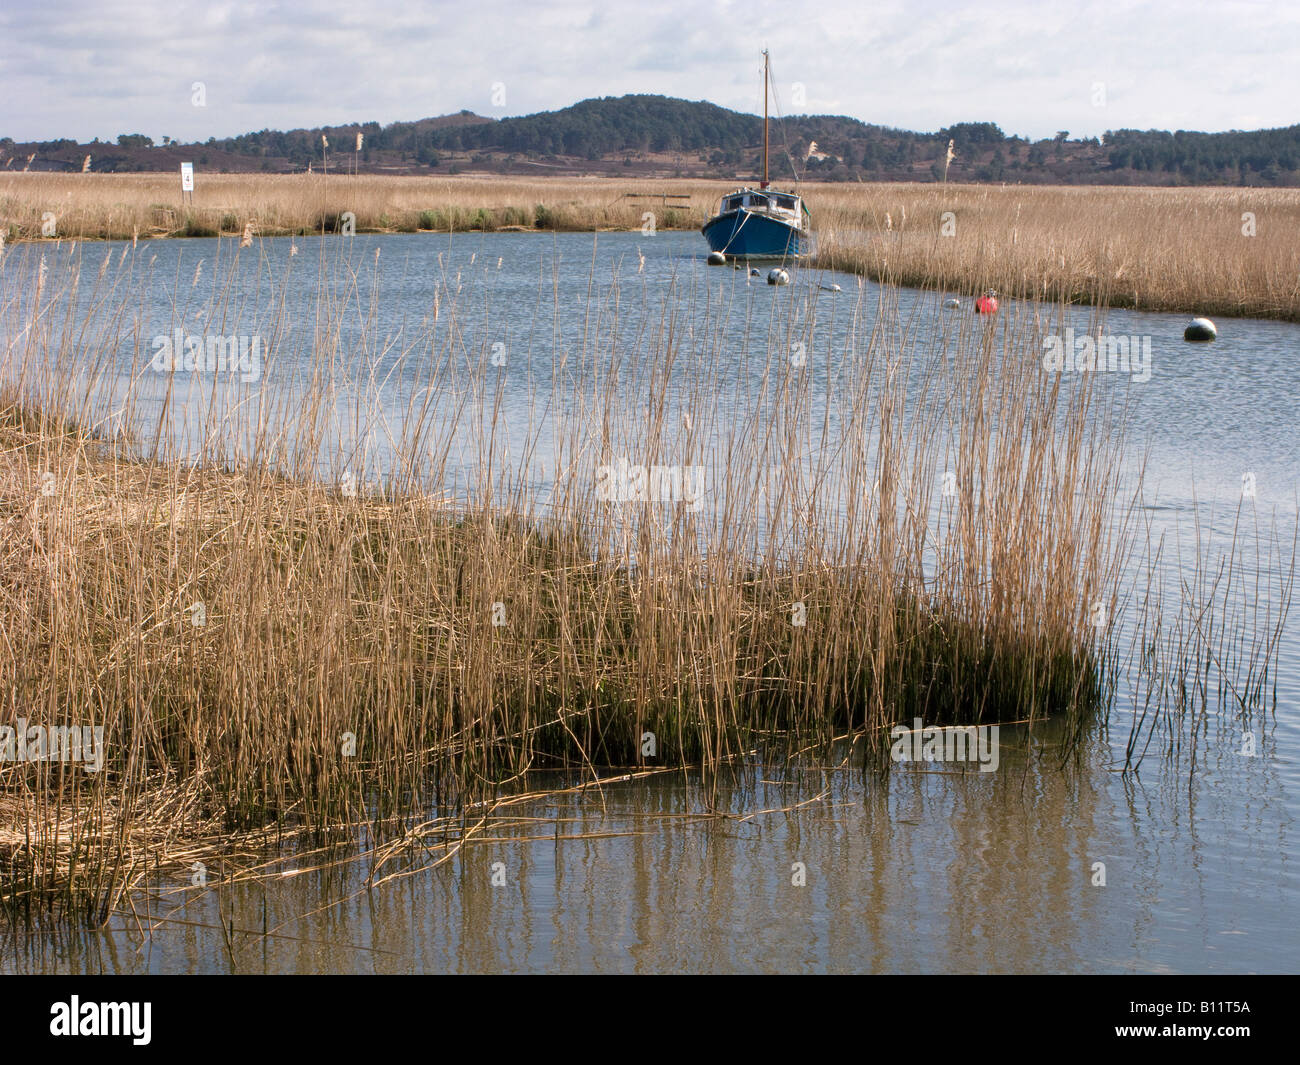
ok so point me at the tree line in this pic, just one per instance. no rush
(706, 138)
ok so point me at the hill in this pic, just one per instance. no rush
(660, 136)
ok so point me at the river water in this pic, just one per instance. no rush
(939, 868)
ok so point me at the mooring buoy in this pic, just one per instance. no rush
(778, 277)
(1200, 329)
(716, 258)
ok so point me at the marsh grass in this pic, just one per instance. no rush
(372, 653)
(1205, 251)
(123, 207)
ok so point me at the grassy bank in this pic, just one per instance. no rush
(270, 643)
(123, 207)
(1205, 251)
(1196, 250)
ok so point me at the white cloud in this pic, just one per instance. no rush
(101, 67)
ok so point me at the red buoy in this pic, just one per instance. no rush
(987, 303)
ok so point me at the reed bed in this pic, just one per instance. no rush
(279, 632)
(1205, 251)
(135, 206)
(1212, 251)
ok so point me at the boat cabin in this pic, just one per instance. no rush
(778, 203)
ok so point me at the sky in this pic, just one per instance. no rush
(97, 68)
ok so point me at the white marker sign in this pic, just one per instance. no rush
(187, 177)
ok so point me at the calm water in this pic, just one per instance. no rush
(932, 871)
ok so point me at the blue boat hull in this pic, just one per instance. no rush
(745, 234)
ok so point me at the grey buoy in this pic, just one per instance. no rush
(952, 302)
(778, 277)
(831, 288)
(716, 258)
(754, 273)
(1200, 329)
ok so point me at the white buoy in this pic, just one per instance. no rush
(1200, 329)
(831, 288)
(716, 258)
(754, 273)
(952, 302)
(778, 276)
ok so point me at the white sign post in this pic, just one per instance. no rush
(187, 181)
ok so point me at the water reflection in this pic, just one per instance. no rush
(940, 869)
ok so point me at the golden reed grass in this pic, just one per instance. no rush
(1204, 251)
(275, 635)
(1212, 251)
(123, 206)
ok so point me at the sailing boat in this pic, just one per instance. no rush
(760, 223)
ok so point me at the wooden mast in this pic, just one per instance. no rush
(765, 79)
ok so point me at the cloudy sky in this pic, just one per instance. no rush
(97, 68)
